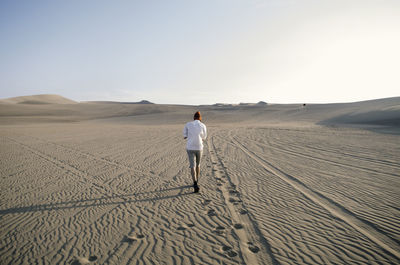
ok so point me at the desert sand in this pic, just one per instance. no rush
(109, 183)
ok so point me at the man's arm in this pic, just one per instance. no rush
(204, 132)
(185, 132)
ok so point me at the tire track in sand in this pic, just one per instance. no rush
(90, 156)
(368, 230)
(244, 227)
(282, 149)
(83, 177)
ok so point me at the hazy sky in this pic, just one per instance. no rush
(201, 52)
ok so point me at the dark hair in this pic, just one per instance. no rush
(197, 116)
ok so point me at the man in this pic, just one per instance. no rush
(195, 132)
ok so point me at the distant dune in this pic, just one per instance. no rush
(375, 112)
(118, 102)
(38, 99)
(55, 108)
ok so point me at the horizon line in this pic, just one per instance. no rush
(201, 104)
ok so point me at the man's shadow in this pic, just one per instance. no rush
(127, 198)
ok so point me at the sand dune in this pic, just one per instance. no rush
(38, 99)
(378, 112)
(108, 183)
(384, 112)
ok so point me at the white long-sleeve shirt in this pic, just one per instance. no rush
(196, 132)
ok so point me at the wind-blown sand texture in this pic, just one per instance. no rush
(277, 187)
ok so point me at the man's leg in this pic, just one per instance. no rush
(194, 177)
(191, 156)
(197, 172)
(198, 159)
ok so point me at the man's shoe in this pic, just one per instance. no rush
(196, 187)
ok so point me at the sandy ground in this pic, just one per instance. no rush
(117, 191)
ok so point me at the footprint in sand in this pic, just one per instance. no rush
(228, 250)
(234, 201)
(233, 191)
(184, 227)
(253, 248)
(238, 226)
(82, 260)
(131, 239)
(219, 230)
(243, 211)
(206, 202)
(211, 212)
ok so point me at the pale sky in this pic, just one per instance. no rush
(201, 52)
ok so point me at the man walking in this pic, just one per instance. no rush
(195, 132)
